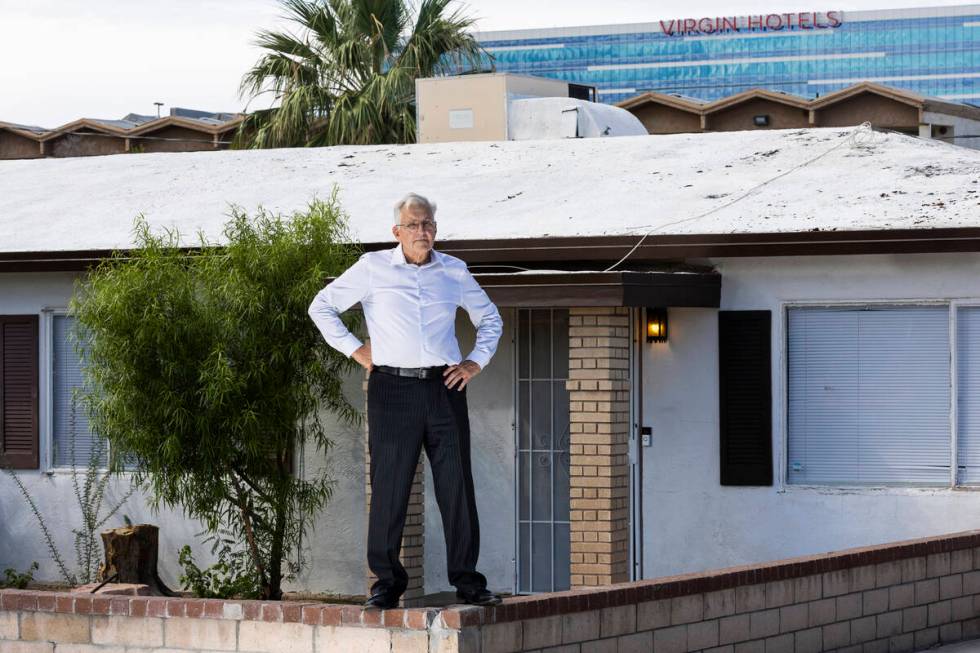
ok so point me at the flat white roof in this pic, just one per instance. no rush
(512, 189)
(636, 28)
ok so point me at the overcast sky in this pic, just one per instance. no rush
(66, 59)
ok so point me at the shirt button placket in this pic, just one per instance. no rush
(418, 298)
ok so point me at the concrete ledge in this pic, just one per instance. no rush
(897, 597)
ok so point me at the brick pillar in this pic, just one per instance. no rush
(413, 536)
(598, 384)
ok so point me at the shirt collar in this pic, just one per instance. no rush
(398, 256)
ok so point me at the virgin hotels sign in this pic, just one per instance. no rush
(756, 23)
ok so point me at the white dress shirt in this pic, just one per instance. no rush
(410, 310)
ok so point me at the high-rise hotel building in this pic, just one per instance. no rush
(932, 51)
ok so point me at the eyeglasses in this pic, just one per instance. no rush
(428, 225)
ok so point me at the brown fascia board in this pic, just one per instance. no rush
(661, 98)
(577, 251)
(34, 136)
(591, 249)
(617, 288)
(167, 121)
(82, 122)
(898, 95)
(754, 94)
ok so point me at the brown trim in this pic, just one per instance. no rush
(589, 249)
(603, 289)
(572, 252)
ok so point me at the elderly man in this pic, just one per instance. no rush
(416, 390)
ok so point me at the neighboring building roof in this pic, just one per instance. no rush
(669, 99)
(133, 124)
(29, 129)
(512, 189)
(925, 103)
(755, 94)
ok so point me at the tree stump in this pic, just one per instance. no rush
(131, 557)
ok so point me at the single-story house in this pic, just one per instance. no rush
(719, 348)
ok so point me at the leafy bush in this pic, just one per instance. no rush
(205, 371)
(232, 576)
(18, 581)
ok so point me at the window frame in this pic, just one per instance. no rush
(781, 413)
(46, 392)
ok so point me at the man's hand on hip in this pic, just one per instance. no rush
(461, 374)
(363, 356)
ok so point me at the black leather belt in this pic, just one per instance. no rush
(413, 372)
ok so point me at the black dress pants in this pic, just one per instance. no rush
(404, 415)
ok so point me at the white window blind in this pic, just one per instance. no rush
(66, 376)
(968, 393)
(869, 395)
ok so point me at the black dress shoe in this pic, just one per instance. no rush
(477, 596)
(381, 601)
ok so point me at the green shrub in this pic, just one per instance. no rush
(18, 581)
(232, 576)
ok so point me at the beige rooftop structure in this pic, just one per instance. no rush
(504, 106)
(884, 107)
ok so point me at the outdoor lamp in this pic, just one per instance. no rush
(656, 325)
(761, 120)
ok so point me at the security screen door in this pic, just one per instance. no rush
(543, 560)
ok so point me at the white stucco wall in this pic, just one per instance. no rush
(491, 409)
(693, 523)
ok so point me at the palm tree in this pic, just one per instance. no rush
(348, 76)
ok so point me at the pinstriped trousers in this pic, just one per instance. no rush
(404, 415)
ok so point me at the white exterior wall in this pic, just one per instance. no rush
(693, 523)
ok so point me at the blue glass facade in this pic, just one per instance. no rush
(937, 54)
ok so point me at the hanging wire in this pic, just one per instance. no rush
(862, 137)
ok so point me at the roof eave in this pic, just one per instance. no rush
(593, 250)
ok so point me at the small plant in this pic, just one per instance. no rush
(16, 580)
(232, 576)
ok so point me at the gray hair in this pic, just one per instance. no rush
(414, 201)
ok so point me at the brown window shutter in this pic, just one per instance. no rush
(745, 393)
(18, 391)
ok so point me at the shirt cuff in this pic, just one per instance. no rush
(349, 345)
(479, 357)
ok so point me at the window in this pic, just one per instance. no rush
(869, 395)
(72, 442)
(968, 393)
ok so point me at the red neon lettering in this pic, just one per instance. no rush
(668, 30)
(706, 28)
(834, 18)
(777, 25)
(729, 24)
(689, 25)
(802, 19)
(755, 21)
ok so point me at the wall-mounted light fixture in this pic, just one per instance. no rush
(761, 120)
(656, 325)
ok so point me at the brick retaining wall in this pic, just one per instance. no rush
(898, 597)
